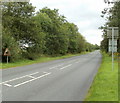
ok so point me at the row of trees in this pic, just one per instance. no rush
(29, 35)
(113, 20)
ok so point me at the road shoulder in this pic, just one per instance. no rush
(105, 84)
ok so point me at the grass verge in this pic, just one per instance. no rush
(105, 84)
(40, 60)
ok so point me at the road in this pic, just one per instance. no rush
(66, 79)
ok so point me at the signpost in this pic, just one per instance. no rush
(114, 47)
(7, 53)
(112, 34)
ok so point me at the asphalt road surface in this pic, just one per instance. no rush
(59, 80)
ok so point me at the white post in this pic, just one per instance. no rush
(7, 59)
(112, 49)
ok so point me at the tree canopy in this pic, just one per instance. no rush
(29, 35)
(113, 20)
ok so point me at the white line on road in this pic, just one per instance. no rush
(45, 72)
(65, 66)
(31, 76)
(56, 66)
(18, 78)
(77, 62)
(53, 67)
(7, 85)
(31, 80)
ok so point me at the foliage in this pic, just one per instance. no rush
(43, 33)
(56, 38)
(113, 20)
(9, 42)
(39, 60)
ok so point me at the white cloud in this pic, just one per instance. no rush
(93, 36)
(84, 13)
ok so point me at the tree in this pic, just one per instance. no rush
(53, 26)
(17, 18)
(9, 42)
(113, 20)
(73, 37)
(35, 34)
(81, 43)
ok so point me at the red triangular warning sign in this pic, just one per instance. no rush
(7, 52)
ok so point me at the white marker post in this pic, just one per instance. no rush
(7, 59)
(112, 49)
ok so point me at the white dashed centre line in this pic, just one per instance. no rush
(45, 72)
(65, 66)
(55, 66)
(77, 62)
(31, 76)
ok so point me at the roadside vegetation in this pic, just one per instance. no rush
(39, 60)
(105, 84)
(31, 35)
(112, 16)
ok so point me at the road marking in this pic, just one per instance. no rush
(45, 72)
(31, 80)
(77, 62)
(53, 67)
(65, 66)
(56, 66)
(7, 85)
(31, 76)
(18, 78)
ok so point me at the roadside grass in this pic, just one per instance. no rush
(40, 60)
(105, 84)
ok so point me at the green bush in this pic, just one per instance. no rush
(9, 42)
(31, 55)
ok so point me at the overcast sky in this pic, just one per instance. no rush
(84, 13)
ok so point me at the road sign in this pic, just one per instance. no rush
(114, 49)
(110, 42)
(109, 32)
(7, 52)
(112, 34)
